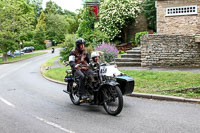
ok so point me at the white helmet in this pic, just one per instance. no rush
(94, 54)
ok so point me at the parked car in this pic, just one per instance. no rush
(28, 49)
(16, 52)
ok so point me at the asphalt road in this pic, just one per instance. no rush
(31, 104)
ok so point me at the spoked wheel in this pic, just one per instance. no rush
(74, 94)
(113, 100)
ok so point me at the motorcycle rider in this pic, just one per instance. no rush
(79, 61)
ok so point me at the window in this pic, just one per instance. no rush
(182, 10)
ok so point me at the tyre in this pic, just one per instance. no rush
(74, 93)
(113, 100)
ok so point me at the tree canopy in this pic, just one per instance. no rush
(16, 17)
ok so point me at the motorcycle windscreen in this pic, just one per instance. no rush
(110, 71)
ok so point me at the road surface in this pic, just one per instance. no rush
(31, 104)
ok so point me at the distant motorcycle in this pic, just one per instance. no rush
(108, 90)
(52, 50)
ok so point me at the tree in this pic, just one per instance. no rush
(86, 26)
(16, 17)
(40, 34)
(149, 10)
(53, 8)
(56, 27)
(116, 15)
(72, 25)
(37, 7)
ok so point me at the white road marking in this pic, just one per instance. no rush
(6, 102)
(11, 71)
(54, 125)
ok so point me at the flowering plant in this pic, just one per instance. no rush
(114, 15)
(110, 51)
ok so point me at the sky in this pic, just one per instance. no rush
(70, 5)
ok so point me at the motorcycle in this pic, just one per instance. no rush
(108, 90)
(52, 50)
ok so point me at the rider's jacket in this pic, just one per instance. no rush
(78, 57)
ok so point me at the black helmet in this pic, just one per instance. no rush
(79, 41)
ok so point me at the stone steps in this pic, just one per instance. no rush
(128, 64)
(131, 58)
(128, 59)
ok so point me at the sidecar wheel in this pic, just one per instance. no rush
(113, 100)
(73, 96)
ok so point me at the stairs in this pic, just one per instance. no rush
(131, 58)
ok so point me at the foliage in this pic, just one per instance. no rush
(28, 44)
(110, 51)
(72, 24)
(39, 46)
(89, 49)
(56, 27)
(117, 14)
(98, 37)
(69, 13)
(138, 37)
(52, 8)
(16, 18)
(86, 27)
(37, 7)
(40, 34)
(68, 45)
(149, 10)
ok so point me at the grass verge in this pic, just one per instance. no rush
(54, 73)
(17, 58)
(184, 84)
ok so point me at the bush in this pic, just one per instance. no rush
(39, 46)
(36, 46)
(28, 43)
(68, 45)
(110, 51)
(138, 36)
(89, 49)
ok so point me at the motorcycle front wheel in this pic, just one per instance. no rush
(113, 100)
(74, 94)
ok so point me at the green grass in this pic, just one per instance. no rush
(49, 62)
(56, 73)
(17, 58)
(166, 83)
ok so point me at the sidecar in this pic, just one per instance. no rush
(127, 84)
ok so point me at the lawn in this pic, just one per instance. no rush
(54, 73)
(186, 84)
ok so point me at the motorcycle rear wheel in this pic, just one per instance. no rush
(113, 100)
(73, 96)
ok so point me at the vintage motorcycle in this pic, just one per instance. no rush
(108, 90)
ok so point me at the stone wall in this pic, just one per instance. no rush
(139, 26)
(185, 24)
(169, 51)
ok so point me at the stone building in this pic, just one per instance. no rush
(177, 42)
(178, 17)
